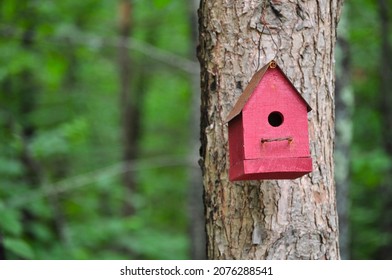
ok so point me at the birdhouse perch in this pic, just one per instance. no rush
(268, 129)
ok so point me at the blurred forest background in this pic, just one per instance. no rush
(99, 130)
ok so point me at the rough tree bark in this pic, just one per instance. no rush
(286, 219)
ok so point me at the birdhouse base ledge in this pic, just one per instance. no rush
(270, 169)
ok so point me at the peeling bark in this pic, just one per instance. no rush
(286, 219)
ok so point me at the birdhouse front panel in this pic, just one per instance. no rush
(268, 129)
(274, 112)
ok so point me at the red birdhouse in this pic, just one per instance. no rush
(268, 129)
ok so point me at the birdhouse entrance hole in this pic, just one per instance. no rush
(275, 119)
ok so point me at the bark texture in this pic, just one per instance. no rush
(286, 219)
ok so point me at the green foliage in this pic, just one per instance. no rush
(369, 169)
(161, 3)
(10, 221)
(61, 190)
(18, 247)
(371, 164)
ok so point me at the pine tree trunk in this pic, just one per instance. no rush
(285, 219)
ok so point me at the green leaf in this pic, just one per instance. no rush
(9, 222)
(48, 144)
(10, 167)
(76, 131)
(161, 3)
(19, 247)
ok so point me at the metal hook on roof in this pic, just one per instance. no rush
(272, 64)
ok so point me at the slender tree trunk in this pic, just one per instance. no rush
(25, 90)
(285, 219)
(130, 112)
(386, 112)
(2, 249)
(386, 73)
(344, 110)
(34, 170)
(196, 208)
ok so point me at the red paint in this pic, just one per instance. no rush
(270, 108)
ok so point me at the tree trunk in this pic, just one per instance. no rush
(195, 193)
(271, 219)
(344, 109)
(130, 112)
(386, 113)
(344, 127)
(2, 249)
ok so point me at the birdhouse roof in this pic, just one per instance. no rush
(251, 87)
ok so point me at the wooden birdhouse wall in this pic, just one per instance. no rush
(236, 146)
(276, 96)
